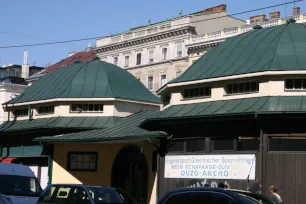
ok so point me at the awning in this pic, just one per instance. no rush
(7, 160)
(127, 129)
(227, 108)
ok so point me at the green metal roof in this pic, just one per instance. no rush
(92, 79)
(58, 123)
(280, 48)
(236, 107)
(127, 128)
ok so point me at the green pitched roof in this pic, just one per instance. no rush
(58, 123)
(279, 48)
(127, 128)
(92, 79)
(236, 107)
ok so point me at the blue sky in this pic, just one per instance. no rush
(59, 20)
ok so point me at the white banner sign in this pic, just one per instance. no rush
(234, 166)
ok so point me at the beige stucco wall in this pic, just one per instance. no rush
(269, 86)
(170, 69)
(106, 155)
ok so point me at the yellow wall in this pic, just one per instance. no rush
(106, 155)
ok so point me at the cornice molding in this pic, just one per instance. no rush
(145, 39)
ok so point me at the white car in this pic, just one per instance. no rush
(18, 184)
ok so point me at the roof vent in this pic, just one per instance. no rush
(291, 20)
(257, 27)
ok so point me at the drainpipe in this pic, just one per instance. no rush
(261, 150)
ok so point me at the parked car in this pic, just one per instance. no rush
(18, 184)
(83, 194)
(205, 195)
(261, 198)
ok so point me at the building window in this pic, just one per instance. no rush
(45, 110)
(248, 144)
(138, 59)
(21, 112)
(115, 60)
(242, 88)
(197, 145)
(197, 92)
(164, 53)
(86, 108)
(295, 144)
(150, 83)
(177, 146)
(82, 161)
(295, 84)
(223, 144)
(126, 61)
(151, 55)
(163, 80)
(179, 50)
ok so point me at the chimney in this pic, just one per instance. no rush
(25, 67)
(71, 53)
(259, 18)
(89, 48)
(296, 11)
(274, 15)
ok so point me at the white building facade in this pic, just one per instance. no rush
(157, 53)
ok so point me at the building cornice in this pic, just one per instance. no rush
(78, 100)
(145, 39)
(159, 62)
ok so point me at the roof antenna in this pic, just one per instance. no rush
(181, 12)
(149, 21)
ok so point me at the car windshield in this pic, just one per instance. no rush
(103, 195)
(19, 185)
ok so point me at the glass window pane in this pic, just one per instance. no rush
(253, 87)
(202, 92)
(177, 146)
(85, 107)
(101, 107)
(241, 88)
(86, 157)
(247, 87)
(298, 84)
(196, 92)
(97, 107)
(191, 93)
(289, 83)
(85, 165)
(195, 145)
(223, 144)
(80, 157)
(236, 88)
(73, 107)
(304, 83)
(229, 88)
(208, 91)
(92, 165)
(287, 144)
(186, 93)
(79, 165)
(91, 107)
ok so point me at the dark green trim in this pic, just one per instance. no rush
(57, 140)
